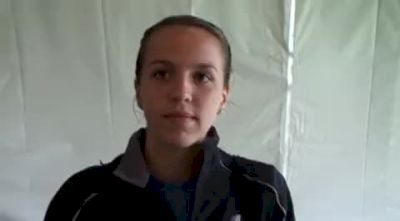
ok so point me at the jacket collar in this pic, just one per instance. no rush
(132, 166)
(213, 183)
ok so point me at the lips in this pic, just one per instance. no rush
(180, 115)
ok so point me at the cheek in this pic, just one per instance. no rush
(151, 101)
(148, 89)
(211, 103)
(148, 99)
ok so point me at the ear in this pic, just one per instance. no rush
(225, 97)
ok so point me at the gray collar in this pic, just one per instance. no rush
(132, 167)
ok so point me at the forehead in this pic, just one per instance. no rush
(183, 43)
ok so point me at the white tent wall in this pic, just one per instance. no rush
(382, 176)
(344, 117)
(66, 96)
(60, 102)
(331, 92)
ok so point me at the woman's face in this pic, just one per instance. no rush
(181, 88)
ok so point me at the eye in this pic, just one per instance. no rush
(203, 77)
(162, 74)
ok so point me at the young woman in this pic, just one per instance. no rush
(172, 169)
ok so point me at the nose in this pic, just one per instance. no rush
(181, 89)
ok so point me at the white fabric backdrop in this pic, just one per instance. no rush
(345, 137)
(66, 96)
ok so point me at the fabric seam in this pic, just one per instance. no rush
(90, 197)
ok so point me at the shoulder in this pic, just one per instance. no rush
(76, 189)
(85, 177)
(88, 177)
(264, 174)
(254, 170)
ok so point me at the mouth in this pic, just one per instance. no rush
(180, 115)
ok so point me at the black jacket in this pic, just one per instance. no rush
(228, 188)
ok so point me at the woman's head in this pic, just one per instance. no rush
(182, 79)
(190, 21)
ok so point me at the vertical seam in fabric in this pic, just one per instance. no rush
(364, 166)
(108, 71)
(289, 80)
(191, 7)
(21, 71)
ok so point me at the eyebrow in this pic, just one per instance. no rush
(171, 64)
(163, 62)
(206, 66)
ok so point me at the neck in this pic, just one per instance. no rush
(172, 164)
